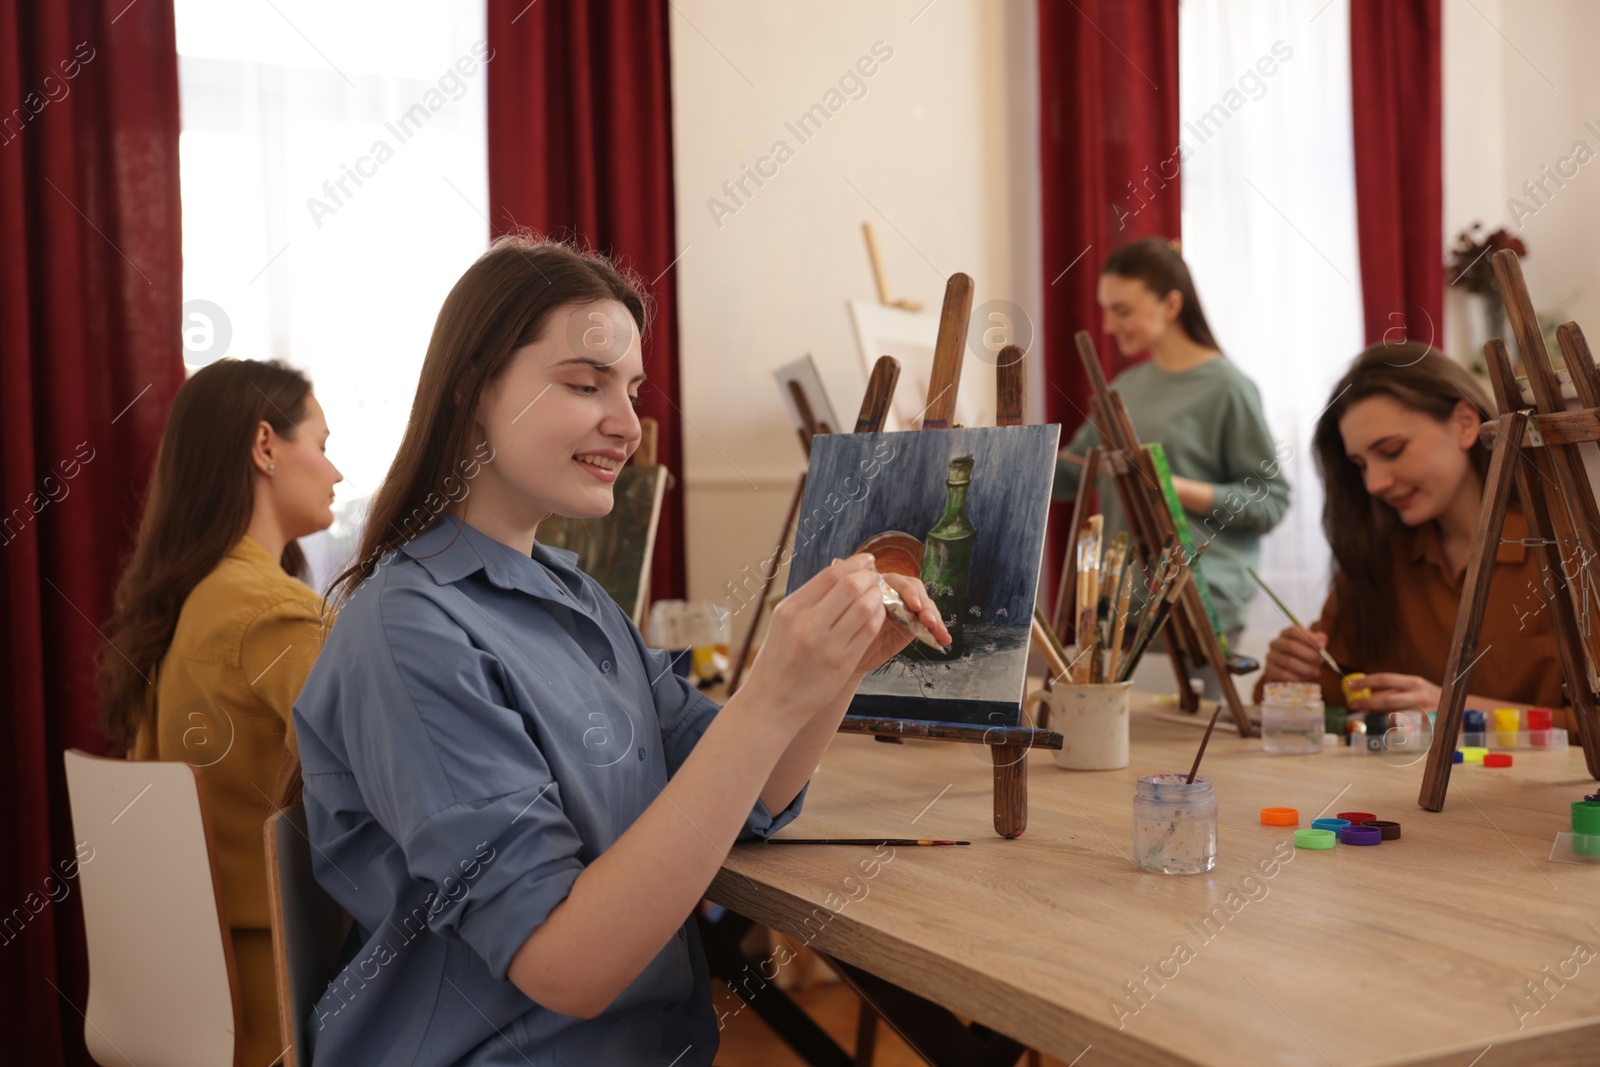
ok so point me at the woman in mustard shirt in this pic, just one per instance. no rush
(213, 633)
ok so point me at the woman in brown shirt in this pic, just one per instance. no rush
(213, 632)
(1403, 467)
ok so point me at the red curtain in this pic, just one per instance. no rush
(1396, 90)
(90, 295)
(580, 146)
(1108, 153)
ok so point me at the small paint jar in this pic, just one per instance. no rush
(1377, 730)
(1473, 726)
(1585, 827)
(1175, 824)
(1292, 724)
(1507, 721)
(1539, 721)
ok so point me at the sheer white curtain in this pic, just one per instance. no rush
(1269, 231)
(334, 170)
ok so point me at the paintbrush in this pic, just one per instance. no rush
(1115, 556)
(895, 842)
(1122, 619)
(1162, 610)
(1323, 652)
(1156, 584)
(1089, 538)
(1148, 630)
(1054, 652)
(1209, 727)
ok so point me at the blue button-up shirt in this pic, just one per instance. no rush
(480, 726)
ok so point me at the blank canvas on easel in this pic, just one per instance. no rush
(891, 494)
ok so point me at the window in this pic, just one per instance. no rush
(334, 173)
(1269, 231)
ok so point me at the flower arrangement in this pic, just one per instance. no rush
(1469, 267)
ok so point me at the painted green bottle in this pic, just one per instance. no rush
(947, 558)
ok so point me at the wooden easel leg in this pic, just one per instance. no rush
(1211, 648)
(1010, 789)
(1563, 616)
(866, 1036)
(1469, 614)
(1178, 638)
(766, 584)
(1551, 522)
(1063, 621)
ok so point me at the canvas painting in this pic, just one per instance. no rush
(802, 374)
(616, 550)
(965, 511)
(909, 337)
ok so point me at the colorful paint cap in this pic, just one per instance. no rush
(1497, 759)
(1360, 835)
(1539, 719)
(1315, 839)
(1352, 691)
(1474, 753)
(1458, 757)
(1389, 830)
(1586, 817)
(1357, 816)
(1329, 824)
(1507, 719)
(1280, 817)
(1472, 721)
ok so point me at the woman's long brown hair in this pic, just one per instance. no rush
(1362, 529)
(1156, 263)
(198, 507)
(501, 303)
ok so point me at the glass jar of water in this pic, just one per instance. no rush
(1292, 719)
(1175, 824)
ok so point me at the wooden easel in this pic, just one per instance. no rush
(1008, 745)
(1189, 632)
(809, 427)
(1539, 448)
(645, 456)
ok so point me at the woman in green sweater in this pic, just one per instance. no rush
(1202, 408)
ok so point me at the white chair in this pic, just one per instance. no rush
(162, 984)
(308, 928)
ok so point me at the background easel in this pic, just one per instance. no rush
(1189, 634)
(1009, 745)
(809, 428)
(878, 277)
(1539, 448)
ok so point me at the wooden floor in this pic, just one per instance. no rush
(747, 1041)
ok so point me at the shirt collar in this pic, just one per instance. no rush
(249, 550)
(450, 550)
(1425, 545)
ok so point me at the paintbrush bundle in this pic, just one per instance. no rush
(1105, 600)
(1104, 585)
(1166, 585)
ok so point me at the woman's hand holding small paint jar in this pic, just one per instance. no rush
(1293, 656)
(1397, 692)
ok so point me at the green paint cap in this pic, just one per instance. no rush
(1315, 839)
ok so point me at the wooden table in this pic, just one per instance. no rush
(1416, 951)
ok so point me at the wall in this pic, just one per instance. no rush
(939, 152)
(1520, 87)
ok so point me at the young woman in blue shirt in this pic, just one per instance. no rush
(517, 801)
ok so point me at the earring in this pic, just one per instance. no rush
(272, 467)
